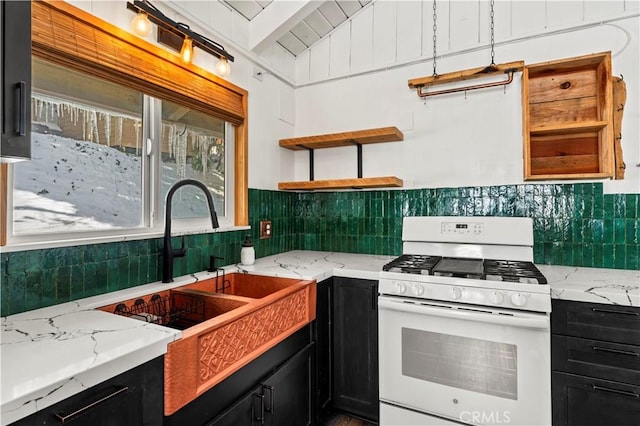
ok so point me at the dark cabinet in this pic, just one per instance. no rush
(246, 411)
(15, 19)
(324, 346)
(286, 397)
(279, 384)
(355, 347)
(135, 397)
(596, 364)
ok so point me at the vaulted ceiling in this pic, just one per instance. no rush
(295, 25)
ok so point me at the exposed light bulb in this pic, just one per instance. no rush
(222, 67)
(141, 24)
(186, 53)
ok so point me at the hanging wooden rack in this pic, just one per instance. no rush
(452, 77)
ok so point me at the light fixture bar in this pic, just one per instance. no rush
(179, 29)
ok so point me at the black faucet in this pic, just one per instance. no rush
(167, 252)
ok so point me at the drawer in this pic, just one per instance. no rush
(604, 360)
(612, 323)
(583, 401)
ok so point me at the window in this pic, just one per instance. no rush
(90, 167)
(86, 171)
(192, 146)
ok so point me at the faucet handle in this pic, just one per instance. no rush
(212, 263)
(181, 251)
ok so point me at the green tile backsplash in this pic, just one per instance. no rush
(574, 224)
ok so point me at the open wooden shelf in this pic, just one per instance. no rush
(578, 127)
(568, 118)
(334, 140)
(355, 183)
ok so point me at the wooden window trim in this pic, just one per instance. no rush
(68, 36)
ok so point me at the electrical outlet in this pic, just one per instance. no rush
(265, 229)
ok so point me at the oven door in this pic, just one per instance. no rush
(475, 365)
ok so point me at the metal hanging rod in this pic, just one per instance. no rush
(509, 68)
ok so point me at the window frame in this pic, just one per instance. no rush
(71, 37)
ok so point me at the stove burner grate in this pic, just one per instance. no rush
(488, 269)
(513, 271)
(413, 264)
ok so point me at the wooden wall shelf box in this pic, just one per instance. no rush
(336, 140)
(568, 118)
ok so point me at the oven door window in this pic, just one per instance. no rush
(462, 362)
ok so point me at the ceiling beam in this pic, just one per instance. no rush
(275, 20)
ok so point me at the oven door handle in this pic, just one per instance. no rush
(535, 321)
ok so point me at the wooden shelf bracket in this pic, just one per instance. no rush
(311, 159)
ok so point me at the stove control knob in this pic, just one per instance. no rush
(417, 289)
(496, 297)
(518, 299)
(400, 287)
(456, 293)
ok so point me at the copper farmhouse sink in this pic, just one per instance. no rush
(244, 285)
(226, 323)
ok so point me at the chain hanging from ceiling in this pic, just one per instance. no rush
(509, 68)
(435, 38)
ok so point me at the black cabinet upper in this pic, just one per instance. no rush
(355, 347)
(15, 18)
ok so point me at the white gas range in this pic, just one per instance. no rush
(464, 325)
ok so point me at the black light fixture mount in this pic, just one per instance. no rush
(175, 34)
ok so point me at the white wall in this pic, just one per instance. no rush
(357, 78)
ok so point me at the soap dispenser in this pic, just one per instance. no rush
(248, 253)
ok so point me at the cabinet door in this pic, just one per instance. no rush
(355, 340)
(289, 394)
(324, 345)
(15, 18)
(583, 401)
(247, 411)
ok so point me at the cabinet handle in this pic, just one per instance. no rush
(22, 109)
(374, 297)
(261, 417)
(271, 396)
(615, 351)
(611, 311)
(618, 391)
(68, 417)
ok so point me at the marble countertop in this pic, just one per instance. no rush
(610, 286)
(52, 353)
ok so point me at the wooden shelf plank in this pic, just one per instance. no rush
(333, 140)
(371, 182)
(469, 74)
(564, 128)
(569, 64)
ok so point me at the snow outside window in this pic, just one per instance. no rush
(91, 173)
(192, 146)
(86, 168)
